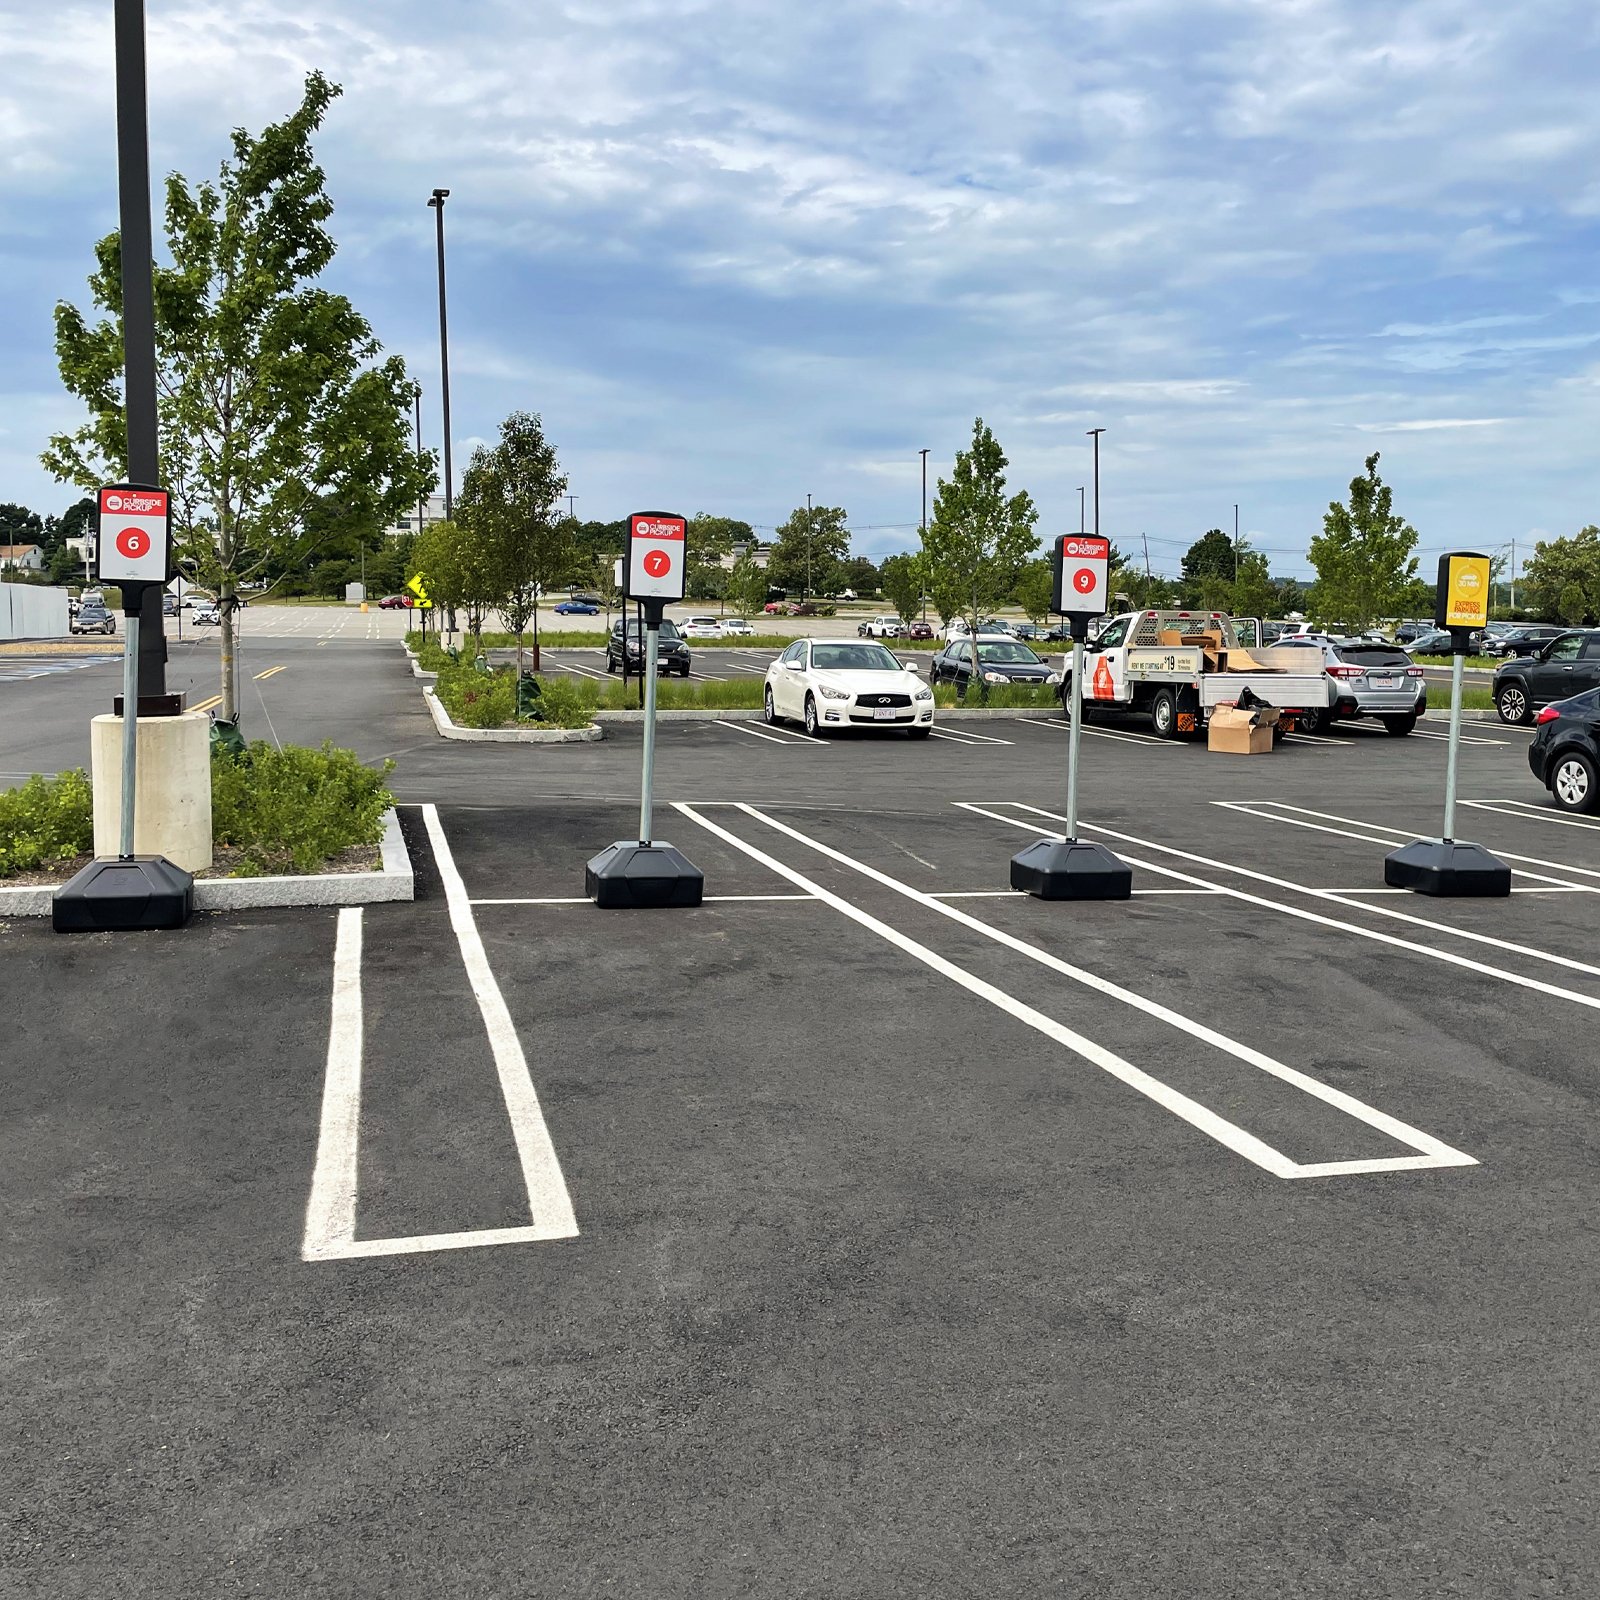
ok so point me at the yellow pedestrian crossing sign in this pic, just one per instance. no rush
(416, 587)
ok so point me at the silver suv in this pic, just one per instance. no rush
(1369, 680)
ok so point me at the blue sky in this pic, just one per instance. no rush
(738, 252)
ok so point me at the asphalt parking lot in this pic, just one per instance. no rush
(869, 1231)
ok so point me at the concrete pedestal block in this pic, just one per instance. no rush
(172, 795)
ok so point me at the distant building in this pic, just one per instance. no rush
(761, 554)
(21, 558)
(432, 510)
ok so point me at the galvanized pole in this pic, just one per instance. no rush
(652, 639)
(1457, 660)
(1073, 738)
(138, 306)
(130, 730)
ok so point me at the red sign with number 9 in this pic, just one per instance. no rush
(1083, 580)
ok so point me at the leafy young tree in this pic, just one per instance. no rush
(455, 570)
(272, 403)
(1207, 564)
(979, 537)
(1364, 556)
(19, 525)
(1558, 564)
(1252, 592)
(902, 585)
(1035, 589)
(1572, 607)
(747, 585)
(508, 503)
(807, 547)
(862, 576)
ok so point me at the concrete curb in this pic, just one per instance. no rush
(448, 730)
(1443, 715)
(395, 880)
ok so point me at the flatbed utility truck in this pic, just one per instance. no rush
(1177, 667)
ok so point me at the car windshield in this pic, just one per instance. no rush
(735, 622)
(1003, 653)
(669, 630)
(852, 658)
(1371, 655)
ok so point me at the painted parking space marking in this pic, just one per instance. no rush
(331, 1209)
(1121, 735)
(1428, 1151)
(1376, 832)
(772, 732)
(1301, 913)
(1527, 810)
(25, 671)
(967, 736)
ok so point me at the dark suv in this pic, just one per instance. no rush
(672, 655)
(1524, 640)
(1568, 665)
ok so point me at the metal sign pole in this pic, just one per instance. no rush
(652, 642)
(130, 728)
(1073, 737)
(1457, 661)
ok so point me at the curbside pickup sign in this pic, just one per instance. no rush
(135, 535)
(657, 551)
(1081, 572)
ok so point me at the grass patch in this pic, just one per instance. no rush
(45, 820)
(1444, 661)
(289, 810)
(1472, 699)
(1001, 697)
(595, 639)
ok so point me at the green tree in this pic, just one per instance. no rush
(509, 500)
(19, 525)
(808, 548)
(863, 577)
(1572, 607)
(1556, 565)
(1207, 563)
(1252, 592)
(1036, 589)
(979, 537)
(1364, 556)
(273, 401)
(454, 566)
(902, 584)
(707, 582)
(747, 584)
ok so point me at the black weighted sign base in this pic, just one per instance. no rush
(631, 875)
(1446, 867)
(117, 895)
(1070, 869)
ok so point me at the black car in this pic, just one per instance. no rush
(671, 656)
(1568, 665)
(1565, 752)
(1525, 640)
(1436, 642)
(1000, 659)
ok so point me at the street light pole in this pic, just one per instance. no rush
(923, 530)
(1094, 433)
(808, 547)
(437, 203)
(1081, 528)
(138, 313)
(1236, 541)
(416, 396)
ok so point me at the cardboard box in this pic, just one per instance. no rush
(1241, 733)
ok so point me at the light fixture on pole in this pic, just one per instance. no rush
(437, 201)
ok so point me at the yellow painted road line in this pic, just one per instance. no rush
(206, 705)
(269, 672)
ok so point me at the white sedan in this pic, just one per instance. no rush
(834, 683)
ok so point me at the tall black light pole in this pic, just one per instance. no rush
(808, 547)
(1236, 541)
(416, 396)
(1081, 528)
(1095, 433)
(924, 527)
(437, 202)
(138, 312)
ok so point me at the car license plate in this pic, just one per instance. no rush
(1385, 683)
(884, 713)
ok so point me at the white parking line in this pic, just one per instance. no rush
(1527, 810)
(1400, 836)
(330, 1214)
(1124, 735)
(755, 733)
(583, 900)
(967, 736)
(1303, 915)
(1431, 1152)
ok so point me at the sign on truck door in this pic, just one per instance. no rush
(1106, 668)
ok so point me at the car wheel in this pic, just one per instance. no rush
(611, 665)
(1399, 726)
(1512, 703)
(769, 711)
(1164, 714)
(1573, 784)
(812, 726)
(1312, 721)
(683, 672)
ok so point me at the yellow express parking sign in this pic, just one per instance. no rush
(1464, 590)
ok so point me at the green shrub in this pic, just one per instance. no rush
(45, 820)
(567, 702)
(477, 699)
(289, 810)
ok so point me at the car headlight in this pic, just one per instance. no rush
(831, 694)
(1054, 679)
(995, 677)
(923, 694)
